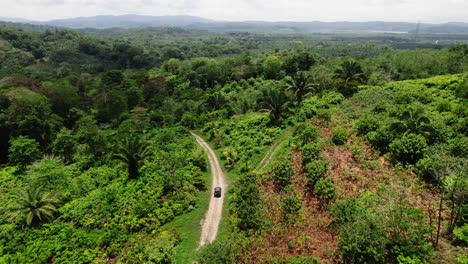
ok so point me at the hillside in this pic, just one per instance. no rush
(337, 149)
(343, 172)
(193, 22)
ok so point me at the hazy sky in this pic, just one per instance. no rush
(427, 11)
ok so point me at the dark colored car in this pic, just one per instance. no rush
(217, 192)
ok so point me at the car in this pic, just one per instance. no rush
(217, 192)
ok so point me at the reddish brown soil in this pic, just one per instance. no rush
(309, 233)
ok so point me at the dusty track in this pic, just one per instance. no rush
(213, 216)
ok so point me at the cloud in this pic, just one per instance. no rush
(272, 10)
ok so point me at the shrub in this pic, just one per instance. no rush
(306, 133)
(366, 124)
(218, 252)
(339, 135)
(316, 170)
(459, 146)
(380, 139)
(282, 173)
(310, 151)
(325, 190)
(324, 114)
(23, 151)
(461, 234)
(333, 97)
(291, 204)
(65, 145)
(409, 148)
(304, 260)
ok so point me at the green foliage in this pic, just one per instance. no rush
(305, 133)
(304, 260)
(300, 84)
(65, 145)
(349, 75)
(217, 252)
(339, 135)
(23, 151)
(132, 152)
(325, 190)
(409, 148)
(246, 203)
(274, 99)
(461, 234)
(282, 173)
(366, 124)
(161, 250)
(291, 205)
(272, 68)
(381, 138)
(33, 205)
(332, 97)
(413, 121)
(381, 227)
(310, 151)
(316, 170)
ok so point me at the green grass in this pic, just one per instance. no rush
(188, 225)
(224, 224)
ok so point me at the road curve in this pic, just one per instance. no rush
(213, 216)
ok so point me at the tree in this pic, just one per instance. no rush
(65, 145)
(34, 205)
(272, 68)
(413, 120)
(274, 99)
(247, 203)
(409, 148)
(299, 61)
(349, 75)
(300, 84)
(132, 151)
(23, 151)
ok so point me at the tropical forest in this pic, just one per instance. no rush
(327, 147)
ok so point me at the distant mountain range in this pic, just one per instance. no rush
(192, 22)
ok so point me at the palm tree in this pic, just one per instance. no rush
(350, 74)
(217, 101)
(131, 152)
(33, 205)
(413, 120)
(275, 101)
(300, 84)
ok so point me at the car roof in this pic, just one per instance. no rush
(217, 188)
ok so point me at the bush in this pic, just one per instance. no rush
(366, 124)
(380, 139)
(65, 145)
(304, 260)
(325, 190)
(339, 135)
(381, 227)
(282, 173)
(315, 171)
(23, 151)
(305, 133)
(461, 234)
(218, 252)
(409, 148)
(310, 151)
(333, 97)
(459, 146)
(291, 204)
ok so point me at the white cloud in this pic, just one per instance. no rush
(273, 10)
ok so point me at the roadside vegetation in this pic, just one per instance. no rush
(337, 152)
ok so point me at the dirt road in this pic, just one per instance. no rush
(212, 218)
